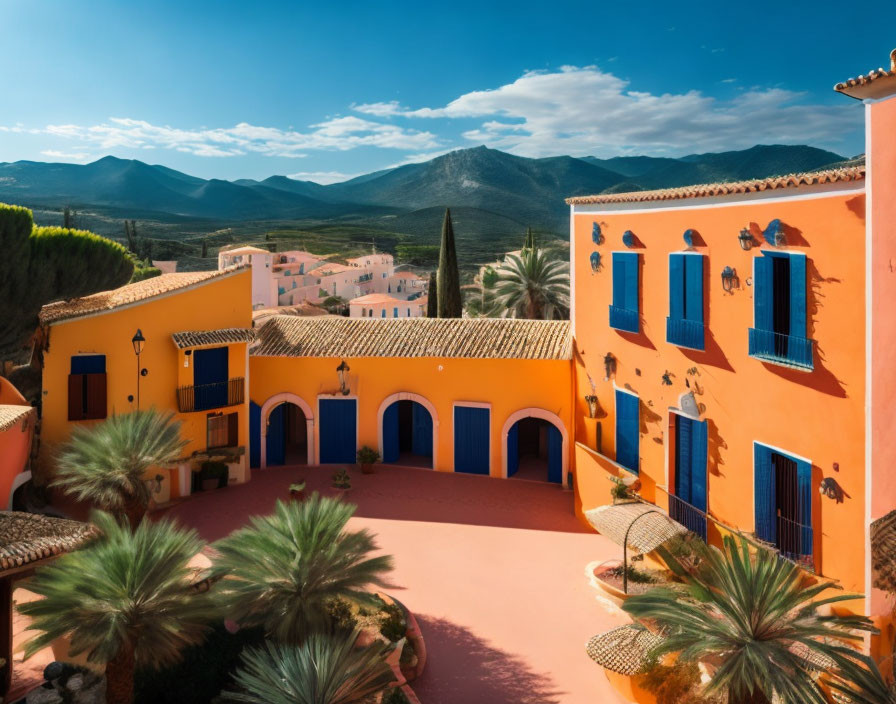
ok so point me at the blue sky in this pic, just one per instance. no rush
(329, 90)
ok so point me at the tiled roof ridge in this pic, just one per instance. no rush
(870, 77)
(10, 414)
(129, 294)
(220, 336)
(472, 338)
(29, 537)
(810, 178)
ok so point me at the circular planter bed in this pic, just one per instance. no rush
(608, 577)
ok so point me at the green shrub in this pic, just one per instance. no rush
(203, 672)
(211, 469)
(393, 626)
(620, 491)
(675, 684)
(395, 696)
(341, 615)
(367, 455)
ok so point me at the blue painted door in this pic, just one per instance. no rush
(471, 440)
(555, 455)
(627, 430)
(210, 378)
(338, 430)
(421, 440)
(390, 434)
(690, 474)
(275, 447)
(254, 434)
(513, 449)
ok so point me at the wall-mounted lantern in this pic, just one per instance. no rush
(628, 238)
(688, 237)
(597, 235)
(745, 239)
(591, 400)
(609, 365)
(342, 372)
(138, 341)
(595, 261)
(729, 279)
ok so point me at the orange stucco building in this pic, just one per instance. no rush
(738, 340)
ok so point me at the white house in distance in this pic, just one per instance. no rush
(293, 277)
(382, 305)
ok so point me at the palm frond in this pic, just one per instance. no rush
(324, 669)
(281, 569)
(126, 587)
(533, 285)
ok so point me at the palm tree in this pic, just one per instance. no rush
(752, 621)
(324, 669)
(859, 681)
(533, 285)
(283, 569)
(106, 464)
(125, 600)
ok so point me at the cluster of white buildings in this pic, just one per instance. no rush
(369, 283)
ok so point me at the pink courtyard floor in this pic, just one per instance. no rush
(493, 569)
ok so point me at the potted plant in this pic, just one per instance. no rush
(367, 457)
(297, 490)
(211, 475)
(341, 480)
(620, 493)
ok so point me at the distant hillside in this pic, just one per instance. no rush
(494, 193)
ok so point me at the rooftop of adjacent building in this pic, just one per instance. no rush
(471, 338)
(704, 190)
(374, 298)
(877, 83)
(330, 268)
(244, 250)
(129, 294)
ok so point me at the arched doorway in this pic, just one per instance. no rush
(286, 431)
(536, 446)
(287, 438)
(408, 431)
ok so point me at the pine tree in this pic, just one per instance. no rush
(432, 303)
(204, 248)
(449, 302)
(67, 220)
(130, 236)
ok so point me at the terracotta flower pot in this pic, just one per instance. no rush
(366, 469)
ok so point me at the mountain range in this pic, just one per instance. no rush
(499, 185)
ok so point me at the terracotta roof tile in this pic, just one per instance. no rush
(849, 173)
(204, 338)
(289, 336)
(874, 84)
(371, 298)
(883, 552)
(29, 537)
(12, 414)
(129, 294)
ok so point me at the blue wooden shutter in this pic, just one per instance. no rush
(798, 295)
(210, 377)
(627, 430)
(693, 304)
(421, 441)
(804, 493)
(763, 293)
(254, 434)
(676, 286)
(338, 431)
(88, 364)
(631, 281)
(764, 493)
(276, 440)
(555, 455)
(471, 440)
(390, 434)
(683, 458)
(513, 449)
(699, 450)
(619, 279)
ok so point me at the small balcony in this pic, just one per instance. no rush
(206, 397)
(685, 333)
(624, 319)
(687, 515)
(786, 350)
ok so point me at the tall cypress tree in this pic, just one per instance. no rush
(432, 303)
(530, 240)
(450, 304)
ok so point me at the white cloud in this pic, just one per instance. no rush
(69, 156)
(322, 177)
(340, 134)
(585, 110)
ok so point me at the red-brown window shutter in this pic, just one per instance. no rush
(96, 396)
(233, 429)
(75, 396)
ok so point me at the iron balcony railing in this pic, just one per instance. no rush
(787, 350)
(206, 397)
(794, 541)
(687, 515)
(685, 333)
(624, 319)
